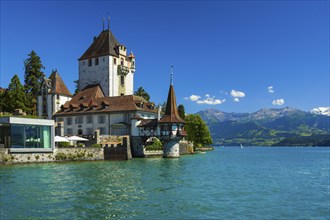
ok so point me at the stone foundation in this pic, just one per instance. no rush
(59, 154)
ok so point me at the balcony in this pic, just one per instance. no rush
(122, 70)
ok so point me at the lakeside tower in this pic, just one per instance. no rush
(106, 63)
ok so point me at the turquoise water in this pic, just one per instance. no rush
(227, 183)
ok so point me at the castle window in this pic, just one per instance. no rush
(69, 121)
(79, 120)
(122, 62)
(89, 62)
(89, 130)
(57, 96)
(103, 59)
(96, 61)
(89, 119)
(114, 60)
(101, 119)
(69, 131)
(122, 80)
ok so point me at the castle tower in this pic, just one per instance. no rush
(105, 62)
(171, 126)
(54, 93)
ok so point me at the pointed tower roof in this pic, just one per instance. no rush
(58, 86)
(104, 44)
(171, 113)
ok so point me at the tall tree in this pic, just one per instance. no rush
(3, 94)
(76, 84)
(182, 112)
(16, 97)
(197, 131)
(33, 78)
(141, 92)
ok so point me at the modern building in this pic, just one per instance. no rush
(53, 94)
(23, 135)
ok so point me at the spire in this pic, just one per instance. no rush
(171, 75)
(171, 112)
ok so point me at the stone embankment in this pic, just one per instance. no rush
(59, 154)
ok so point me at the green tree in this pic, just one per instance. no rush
(3, 95)
(141, 92)
(16, 97)
(76, 83)
(197, 131)
(182, 112)
(33, 78)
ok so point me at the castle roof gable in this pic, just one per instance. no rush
(103, 45)
(57, 85)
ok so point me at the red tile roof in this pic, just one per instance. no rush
(98, 103)
(58, 86)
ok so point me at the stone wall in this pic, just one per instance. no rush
(186, 147)
(59, 154)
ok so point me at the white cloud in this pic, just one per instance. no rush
(237, 94)
(208, 100)
(278, 102)
(271, 89)
(193, 98)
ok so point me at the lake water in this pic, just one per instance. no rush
(227, 183)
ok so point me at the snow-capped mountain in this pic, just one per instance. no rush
(321, 111)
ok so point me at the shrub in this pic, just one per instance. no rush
(80, 145)
(96, 145)
(63, 144)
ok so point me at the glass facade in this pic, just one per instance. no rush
(25, 136)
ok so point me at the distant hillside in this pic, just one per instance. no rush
(285, 126)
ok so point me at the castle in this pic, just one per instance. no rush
(106, 102)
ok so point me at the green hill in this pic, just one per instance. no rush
(268, 127)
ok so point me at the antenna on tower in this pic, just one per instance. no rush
(171, 75)
(103, 23)
(108, 23)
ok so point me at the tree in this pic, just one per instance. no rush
(16, 97)
(181, 111)
(33, 78)
(197, 131)
(76, 83)
(3, 94)
(141, 92)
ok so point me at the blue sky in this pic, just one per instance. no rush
(235, 56)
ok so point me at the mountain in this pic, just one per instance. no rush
(285, 126)
(321, 111)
